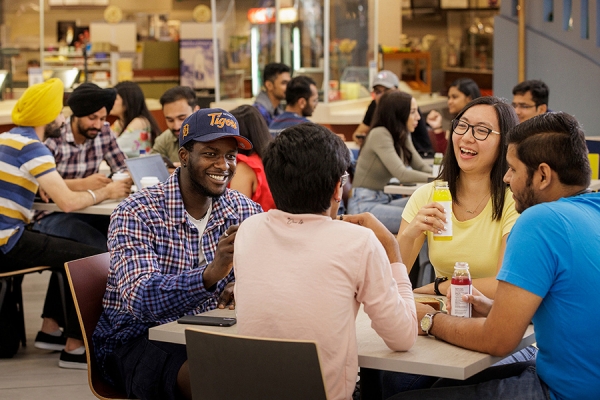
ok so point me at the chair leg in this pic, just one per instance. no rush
(61, 285)
(18, 292)
(15, 282)
(3, 289)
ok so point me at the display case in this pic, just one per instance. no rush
(328, 39)
(101, 67)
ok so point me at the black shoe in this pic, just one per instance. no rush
(49, 342)
(72, 361)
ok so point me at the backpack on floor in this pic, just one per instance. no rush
(10, 321)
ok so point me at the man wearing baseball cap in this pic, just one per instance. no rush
(27, 166)
(78, 149)
(171, 252)
(386, 80)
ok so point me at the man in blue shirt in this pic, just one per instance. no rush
(550, 275)
(302, 98)
(171, 252)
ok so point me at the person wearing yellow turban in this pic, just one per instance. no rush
(27, 164)
(40, 104)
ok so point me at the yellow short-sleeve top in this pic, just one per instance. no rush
(477, 241)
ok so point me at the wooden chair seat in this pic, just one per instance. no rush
(87, 279)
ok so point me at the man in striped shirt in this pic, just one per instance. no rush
(27, 164)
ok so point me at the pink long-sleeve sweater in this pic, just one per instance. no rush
(304, 276)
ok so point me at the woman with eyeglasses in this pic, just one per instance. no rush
(483, 210)
(460, 93)
(388, 153)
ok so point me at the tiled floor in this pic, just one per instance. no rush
(33, 373)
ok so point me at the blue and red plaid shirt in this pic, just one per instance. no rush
(75, 161)
(82, 160)
(155, 276)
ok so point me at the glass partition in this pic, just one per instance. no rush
(351, 48)
(336, 53)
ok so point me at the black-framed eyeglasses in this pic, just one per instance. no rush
(523, 106)
(344, 178)
(480, 132)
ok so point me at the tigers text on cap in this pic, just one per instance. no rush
(208, 124)
(386, 79)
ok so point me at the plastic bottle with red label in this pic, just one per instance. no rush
(461, 284)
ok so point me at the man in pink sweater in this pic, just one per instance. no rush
(300, 274)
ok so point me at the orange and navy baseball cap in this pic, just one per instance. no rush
(208, 124)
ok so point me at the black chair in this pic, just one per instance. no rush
(238, 367)
(13, 280)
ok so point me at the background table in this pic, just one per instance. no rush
(401, 189)
(595, 185)
(104, 208)
(428, 356)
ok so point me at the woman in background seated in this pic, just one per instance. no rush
(249, 178)
(135, 127)
(460, 93)
(387, 153)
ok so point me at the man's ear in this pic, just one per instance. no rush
(545, 175)
(542, 108)
(268, 85)
(302, 102)
(183, 156)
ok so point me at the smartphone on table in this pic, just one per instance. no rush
(207, 320)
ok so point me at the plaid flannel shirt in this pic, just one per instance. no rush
(155, 276)
(82, 160)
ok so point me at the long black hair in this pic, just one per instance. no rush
(392, 112)
(507, 119)
(254, 128)
(134, 104)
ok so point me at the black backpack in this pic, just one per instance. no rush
(10, 317)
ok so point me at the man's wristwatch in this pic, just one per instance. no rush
(427, 323)
(436, 284)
